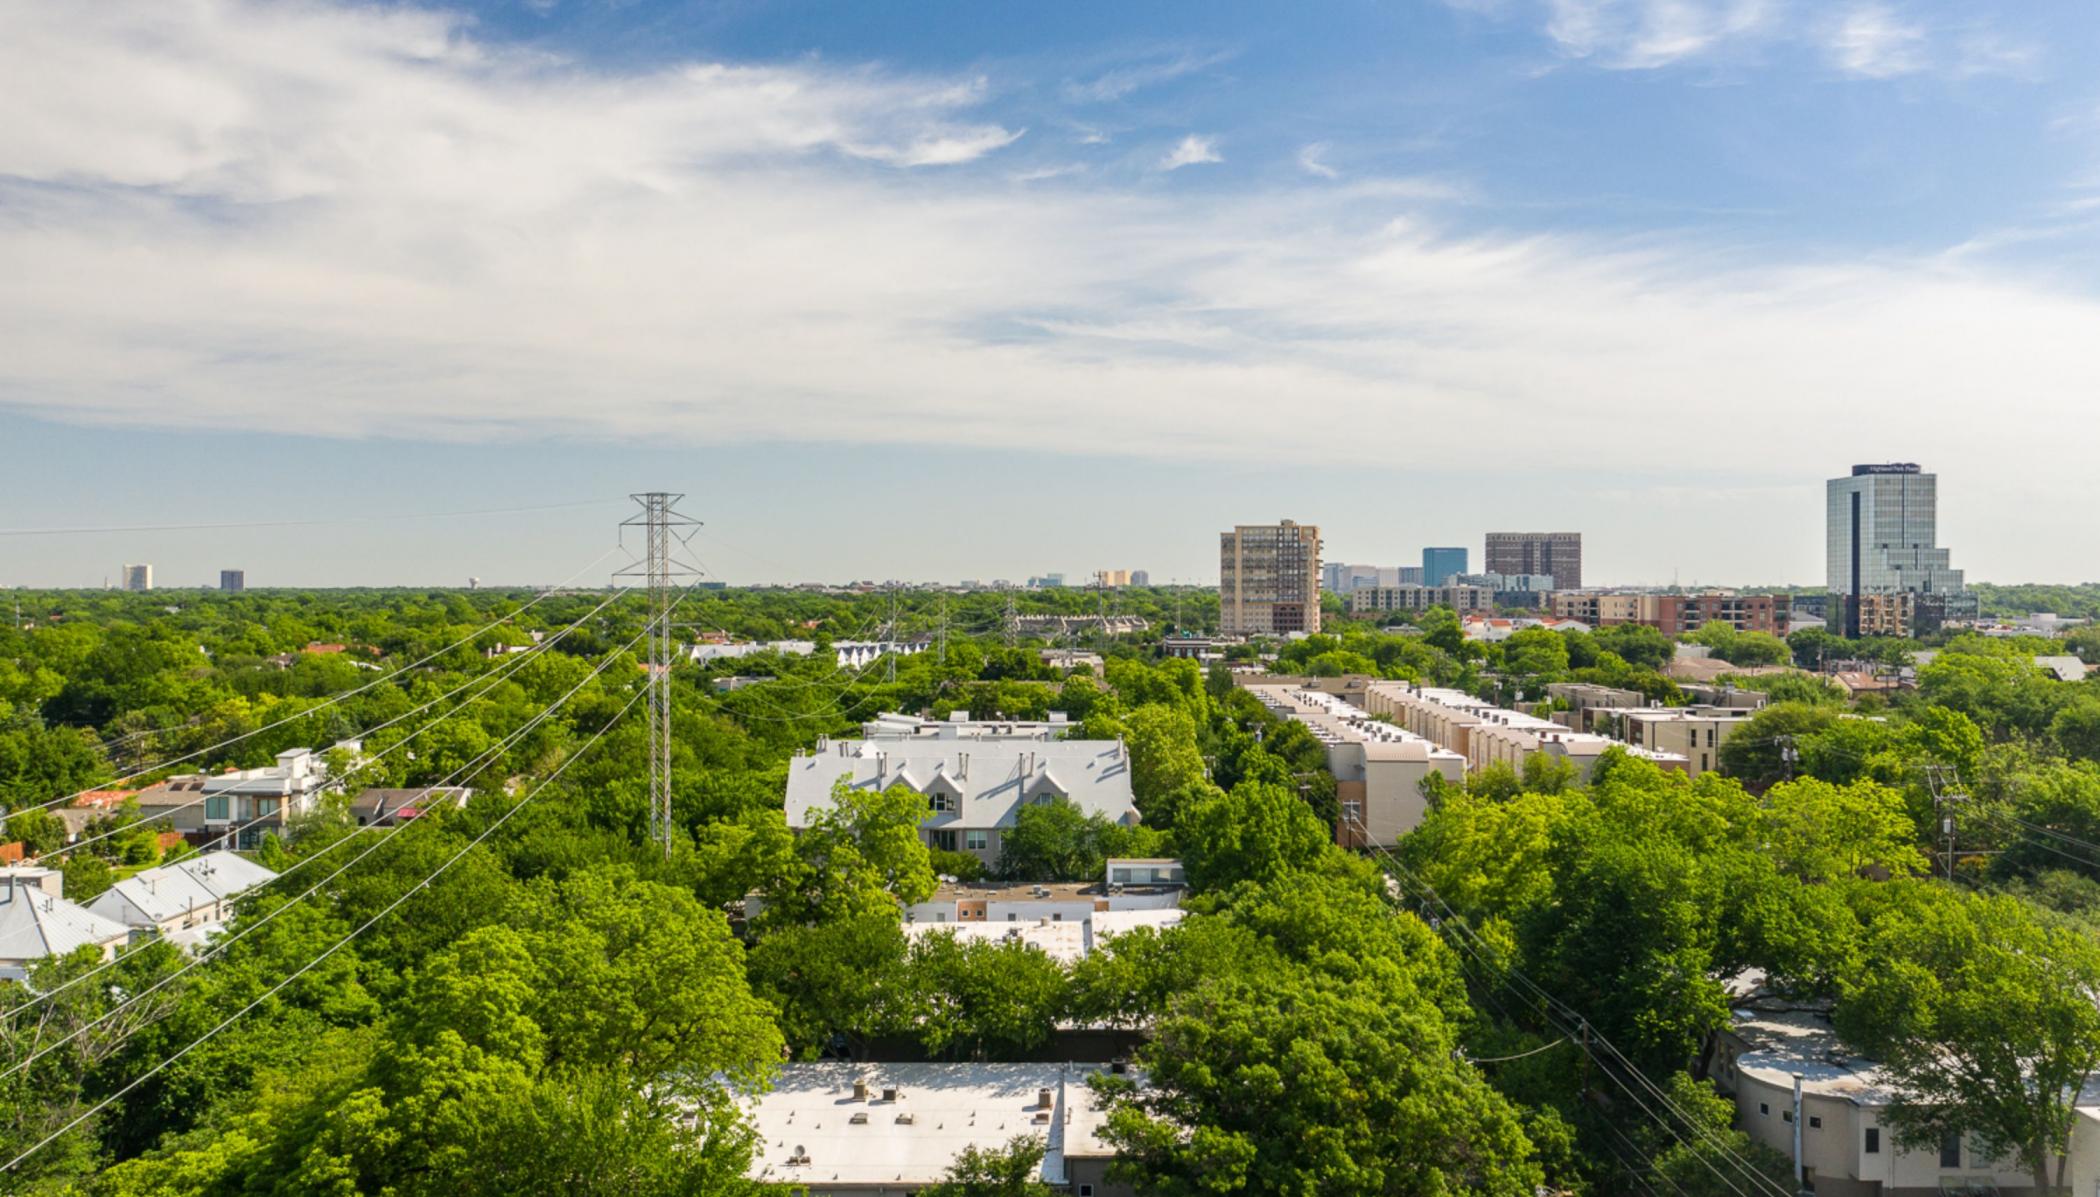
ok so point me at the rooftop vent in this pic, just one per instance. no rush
(860, 1118)
(1042, 1099)
(891, 1093)
(860, 1088)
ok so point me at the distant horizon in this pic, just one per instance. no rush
(933, 294)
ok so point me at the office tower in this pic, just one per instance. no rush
(1269, 579)
(1881, 530)
(1141, 577)
(138, 577)
(1556, 553)
(1439, 566)
(233, 581)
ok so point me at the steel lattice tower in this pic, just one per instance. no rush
(665, 531)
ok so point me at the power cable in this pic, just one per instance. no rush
(316, 523)
(339, 698)
(487, 758)
(331, 950)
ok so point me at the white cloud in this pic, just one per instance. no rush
(1872, 42)
(1311, 160)
(360, 222)
(1642, 34)
(1191, 151)
(1121, 81)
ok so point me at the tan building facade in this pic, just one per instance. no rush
(1488, 735)
(1269, 579)
(1676, 614)
(1556, 553)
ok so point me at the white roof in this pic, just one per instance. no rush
(1064, 940)
(940, 1110)
(34, 924)
(171, 891)
(995, 777)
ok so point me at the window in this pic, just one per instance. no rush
(1057, 916)
(944, 840)
(1950, 1151)
(265, 807)
(1086, 1191)
(1764, 1110)
(215, 808)
(1012, 917)
(1786, 1115)
(942, 804)
(977, 841)
(1815, 1122)
(1873, 1140)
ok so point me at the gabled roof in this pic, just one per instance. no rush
(33, 925)
(992, 778)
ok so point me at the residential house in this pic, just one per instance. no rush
(393, 807)
(237, 808)
(187, 895)
(36, 923)
(1487, 735)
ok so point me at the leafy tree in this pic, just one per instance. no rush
(1983, 1018)
(1014, 1170)
(1165, 762)
(983, 999)
(2076, 728)
(1257, 832)
(1821, 832)
(1708, 1159)
(1305, 1085)
(39, 831)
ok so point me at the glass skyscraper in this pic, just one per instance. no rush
(1882, 534)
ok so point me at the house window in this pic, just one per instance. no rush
(1950, 1150)
(1012, 917)
(1764, 1110)
(265, 807)
(1815, 1122)
(942, 804)
(1786, 1115)
(1873, 1140)
(215, 808)
(943, 840)
(977, 841)
(1086, 1191)
(1057, 916)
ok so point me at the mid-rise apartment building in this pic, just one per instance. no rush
(1558, 554)
(1420, 598)
(1676, 614)
(1378, 768)
(1488, 735)
(1269, 579)
(138, 577)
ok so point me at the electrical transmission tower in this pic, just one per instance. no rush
(665, 531)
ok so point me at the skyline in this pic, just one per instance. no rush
(1075, 290)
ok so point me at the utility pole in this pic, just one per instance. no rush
(890, 666)
(665, 530)
(1945, 783)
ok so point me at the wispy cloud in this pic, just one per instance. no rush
(364, 222)
(1312, 160)
(1642, 34)
(1121, 81)
(1191, 151)
(1872, 42)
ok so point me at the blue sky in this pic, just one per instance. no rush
(984, 290)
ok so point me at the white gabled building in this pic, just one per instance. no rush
(187, 895)
(974, 786)
(36, 923)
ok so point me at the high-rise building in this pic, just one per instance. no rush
(1439, 566)
(1881, 532)
(1556, 553)
(138, 577)
(1141, 577)
(233, 581)
(1269, 579)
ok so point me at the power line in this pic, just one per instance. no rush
(330, 950)
(490, 681)
(487, 681)
(339, 698)
(488, 757)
